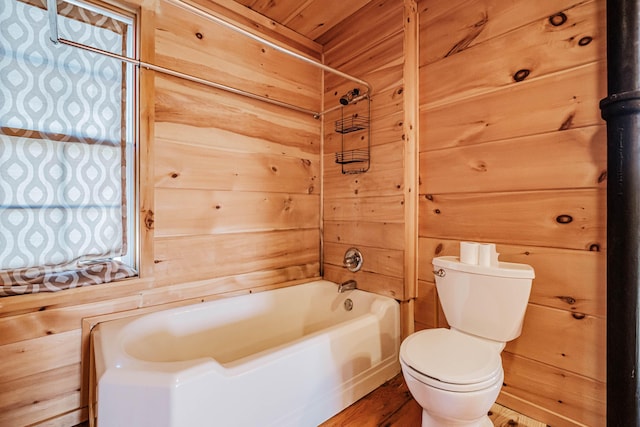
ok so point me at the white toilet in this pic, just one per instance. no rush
(456, 374)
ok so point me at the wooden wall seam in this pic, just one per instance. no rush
(411, 157)
(145, 159)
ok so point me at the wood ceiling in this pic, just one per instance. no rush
(311, 18)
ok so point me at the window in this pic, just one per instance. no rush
(67, 136)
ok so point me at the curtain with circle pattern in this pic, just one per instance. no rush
(62, 150)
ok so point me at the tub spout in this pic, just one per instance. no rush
(347, 286)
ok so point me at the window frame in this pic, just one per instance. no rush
(132, 188)
(132, 258)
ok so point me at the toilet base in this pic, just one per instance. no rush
(429, 421)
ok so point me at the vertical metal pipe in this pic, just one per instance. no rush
(621, 110)
(52, 7)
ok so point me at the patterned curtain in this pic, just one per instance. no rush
(62, 150)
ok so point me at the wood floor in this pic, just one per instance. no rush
(392, 405)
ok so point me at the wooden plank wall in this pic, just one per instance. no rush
(367, 210)
(513, 152)
(236, 181)
(230, 199)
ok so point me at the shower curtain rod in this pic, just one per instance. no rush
(55, 38)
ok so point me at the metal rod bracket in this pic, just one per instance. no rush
(52, 7)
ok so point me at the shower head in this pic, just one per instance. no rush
(348, 97)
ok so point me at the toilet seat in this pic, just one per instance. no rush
(450, 360)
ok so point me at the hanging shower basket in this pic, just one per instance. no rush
(352, 124)
(353, 119)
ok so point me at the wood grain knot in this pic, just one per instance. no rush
(567, 123)
(602, 177)
(585, 41)
(174, 175)
(564, 219)
(436, 211)
(474, 32)
(558, 19)
(148, 220)
(578, 316)
(199, 36)
(479, 166)
(522, 74)
(428, 197)
(594, 247)
(567, 299)
(439, 248)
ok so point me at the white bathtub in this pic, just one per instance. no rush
(288, 357)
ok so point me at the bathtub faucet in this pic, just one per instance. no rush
(347, 286)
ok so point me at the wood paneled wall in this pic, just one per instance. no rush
(513, 151)
(230, 199)
(367, 210)
(235, 179)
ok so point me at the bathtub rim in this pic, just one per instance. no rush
(235, 367)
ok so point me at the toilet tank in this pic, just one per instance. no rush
(489, 302)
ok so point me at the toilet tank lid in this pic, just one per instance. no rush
(504, 269)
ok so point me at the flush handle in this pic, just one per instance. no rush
(439, 273)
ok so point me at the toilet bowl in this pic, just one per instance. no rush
(452, 388)
(456, 374)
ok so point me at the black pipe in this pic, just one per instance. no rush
(621, 110)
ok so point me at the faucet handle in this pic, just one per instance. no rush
(353, 259)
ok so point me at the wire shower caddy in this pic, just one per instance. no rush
(354, 118)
